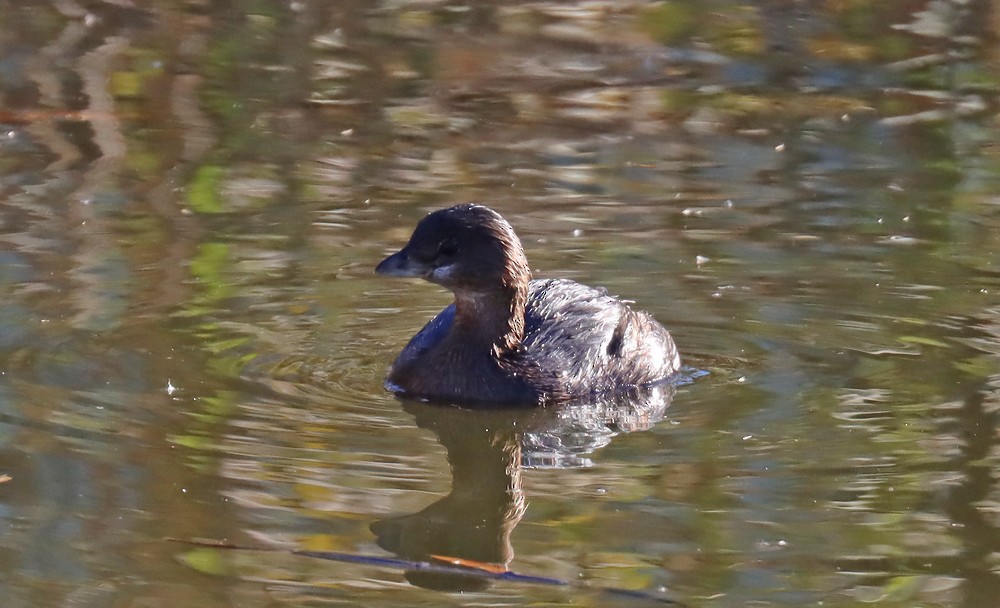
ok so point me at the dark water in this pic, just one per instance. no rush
(192, 344)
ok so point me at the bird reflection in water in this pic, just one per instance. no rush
(487, 450)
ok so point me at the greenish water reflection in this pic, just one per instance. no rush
(192, 343)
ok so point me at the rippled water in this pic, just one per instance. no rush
(192, 343)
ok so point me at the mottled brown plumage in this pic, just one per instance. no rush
(508, 339)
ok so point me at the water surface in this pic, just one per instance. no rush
(192, 342)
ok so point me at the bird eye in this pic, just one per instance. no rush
(448, 248)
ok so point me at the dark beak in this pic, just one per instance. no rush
(400, 264)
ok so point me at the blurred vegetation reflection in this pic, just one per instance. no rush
(193, 196)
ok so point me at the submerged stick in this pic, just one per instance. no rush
(397, 563)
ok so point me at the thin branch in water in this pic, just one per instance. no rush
(453, 567)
